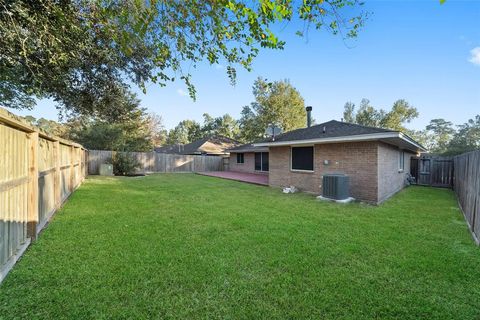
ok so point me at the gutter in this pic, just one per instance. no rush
(249, 150)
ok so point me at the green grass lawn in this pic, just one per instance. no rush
(193, 247)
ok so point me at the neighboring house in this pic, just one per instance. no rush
(250, 159)
(212, 145)
(376, 160)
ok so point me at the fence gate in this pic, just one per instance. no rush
(432, 171)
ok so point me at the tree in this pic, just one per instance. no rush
(402, 112)
(467, 137)
(49, 126)
(225, 125)
(157, 130)
(131, 135)
(441, 132)
(126, 128)
(77, 52)
(185, 132)
(424, 137)
(250, 128)
(59, 50)
(276, 103)
(367, 115)
(348, 112)
(99, 135)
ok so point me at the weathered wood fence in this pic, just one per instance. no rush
(151, 162)
(432, 171)
(467, 187)
(37, 173)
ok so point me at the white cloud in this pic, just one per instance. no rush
(182, 92)
(475, 56)
(218, 66)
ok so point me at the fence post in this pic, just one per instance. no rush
(57, 174)
(86, 162)
(32, 206)
(71, 186)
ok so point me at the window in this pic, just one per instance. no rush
(302, 158)
(261, 161)
(264, 161)
(240, 158)
(401, 160)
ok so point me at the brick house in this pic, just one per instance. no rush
(376, 160)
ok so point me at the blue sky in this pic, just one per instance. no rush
(421, 51)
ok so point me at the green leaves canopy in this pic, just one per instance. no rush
(467, 137)
(78, 52)
(402, 112)
(126, 128)
(225, 126)
(277, 103)
(185, 132)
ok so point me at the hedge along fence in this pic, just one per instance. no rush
(467, 187)
(37, 174)
(151, 162)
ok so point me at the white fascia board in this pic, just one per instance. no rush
(359, 137)
(250, 150)
(411, 141)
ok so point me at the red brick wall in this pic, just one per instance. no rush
(248, 166)
(390, 178)
(358, 160)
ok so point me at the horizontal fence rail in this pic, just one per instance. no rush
(467, 187)
(151, 162)
(37, 173)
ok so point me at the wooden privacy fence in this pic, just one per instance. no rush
(37, 173)
(467, 187)
(432, 171)
(159, 162)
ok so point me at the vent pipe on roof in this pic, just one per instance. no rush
(309, 116)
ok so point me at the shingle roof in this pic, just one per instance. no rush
(248, 147)
(328, 129)
(343, 132)
(217, 145)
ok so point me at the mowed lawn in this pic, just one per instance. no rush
(192, 247)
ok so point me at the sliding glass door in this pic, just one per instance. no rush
(261, 161)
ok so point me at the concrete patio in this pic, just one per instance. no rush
(260, 179)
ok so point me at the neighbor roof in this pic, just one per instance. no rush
(337, 131)
(210, 145)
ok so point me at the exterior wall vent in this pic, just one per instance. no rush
(335, 186)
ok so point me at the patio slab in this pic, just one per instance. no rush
(260, 179)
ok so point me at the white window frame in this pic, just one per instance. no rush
(401, 160)
(261, 161)
(291, 159)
